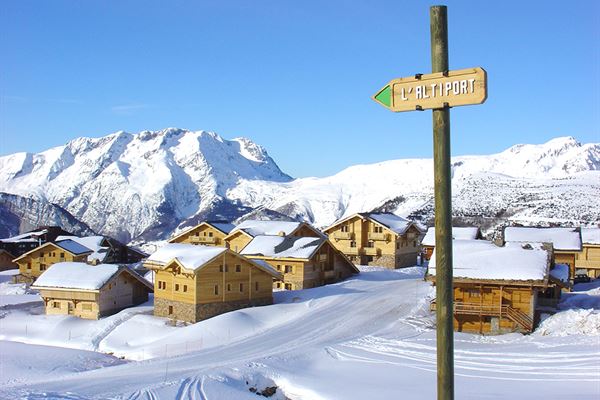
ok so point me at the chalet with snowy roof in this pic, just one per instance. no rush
(588, 259)
(106, 250)
(383, 239)
(305, 262)
(565, 241)
(90, 291)
(458, 233)
(243, 233)
(6, 261)
(196, 282)
(208, 233)
(33, 263)
(502, 289)
(24, 242)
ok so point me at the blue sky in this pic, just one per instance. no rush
(294, 76)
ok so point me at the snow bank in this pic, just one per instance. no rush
(571, 322)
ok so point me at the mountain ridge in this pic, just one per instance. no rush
(147, 185)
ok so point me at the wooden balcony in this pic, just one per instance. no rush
(339, 235)
(371, 251)
(204, 239)
(351, 251)
(496, 310)
(379, 236)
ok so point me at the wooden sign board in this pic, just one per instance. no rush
(424, 92)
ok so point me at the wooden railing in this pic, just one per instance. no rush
(204, 239)
(513, 314)
(379, 236)
(343, 235)
(371, 251)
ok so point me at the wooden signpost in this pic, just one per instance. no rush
(439, 91)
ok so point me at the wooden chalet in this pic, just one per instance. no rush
(588, 259)
(90, 291)
(33, 263)
(208, 233)
(6, 261)
(382, 239)
(565, 241)
(502, 289)
(196, 282)
(243, 233)
(458, 233)
(24, 242)
(106, 250)
(305, 262)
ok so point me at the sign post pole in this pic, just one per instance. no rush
(443, 213)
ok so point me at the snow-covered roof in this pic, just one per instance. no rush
(25, 237)
(560, 272)
(258, 228)
(190, 256)
(283, 247)
(76, 275)
(561, 238)
(266, 266)
(458, 233)
(391, 221)
(73, 247)
(93, 243)
(483, 260)
(590, 235)
(224, 227)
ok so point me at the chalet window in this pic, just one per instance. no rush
(256, 286)
(197, 233)
(289, 269)
(226, 268)
(278, 284)
(86, 307)
(177, 287)
(229, 287)
(370, 243)
(28, 265)
(288, 286)
(210, 234)
(345, 228)
(62, 255)
(241, 287)
(185, 288)
(42, 267)
(170, 310)
(238, 268)
(378, 229)
(279, 268)
(56, 304)
(414, 243)
(474, 293)
(352, 243)
(216, 289)
(203, 233)
(397, 245)
(42, 255)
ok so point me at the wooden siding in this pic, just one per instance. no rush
(120, 292)
(486, 297)
(589, 259)
(364, 241)
(202, 234)
(233, 277)
(237, 241)
(33, 264)
(6, 261)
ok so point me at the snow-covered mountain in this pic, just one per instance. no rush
(140, 185)
(144, 186)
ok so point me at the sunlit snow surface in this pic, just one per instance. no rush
(370, 337)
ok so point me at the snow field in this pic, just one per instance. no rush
(371, 336)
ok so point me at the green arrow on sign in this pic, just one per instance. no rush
(384, 96)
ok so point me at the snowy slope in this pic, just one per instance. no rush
(556, 181)
(369, 337)
(145, 186)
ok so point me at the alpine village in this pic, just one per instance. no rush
(216, 267)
